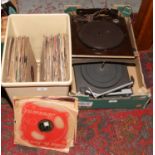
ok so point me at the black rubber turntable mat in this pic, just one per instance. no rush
(101, 35)
(100, 77)
(120, 37)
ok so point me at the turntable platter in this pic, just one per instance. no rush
(102, 75)
(101, 35)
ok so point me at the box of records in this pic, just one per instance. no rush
(37, 57)
(106, 65)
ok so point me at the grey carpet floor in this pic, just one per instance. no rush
(56, 6)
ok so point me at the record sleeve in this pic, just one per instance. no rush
(49, 123)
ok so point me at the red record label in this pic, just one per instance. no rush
(44, 126)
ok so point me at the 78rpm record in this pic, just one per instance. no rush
(45, 123)
(101, 35)
(100, 77)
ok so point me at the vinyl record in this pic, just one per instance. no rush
(43, 126)
(101, 35)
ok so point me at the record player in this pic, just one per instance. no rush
(106, 66)
(100, 33)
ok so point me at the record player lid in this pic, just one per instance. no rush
(101, 35)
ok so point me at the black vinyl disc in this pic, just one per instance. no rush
(102, 75)
(101, 35)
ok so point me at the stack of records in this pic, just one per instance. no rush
(21, 64)
(46, 122)
(54, 59)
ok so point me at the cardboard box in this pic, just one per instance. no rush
(139, 99)
(141, 95)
